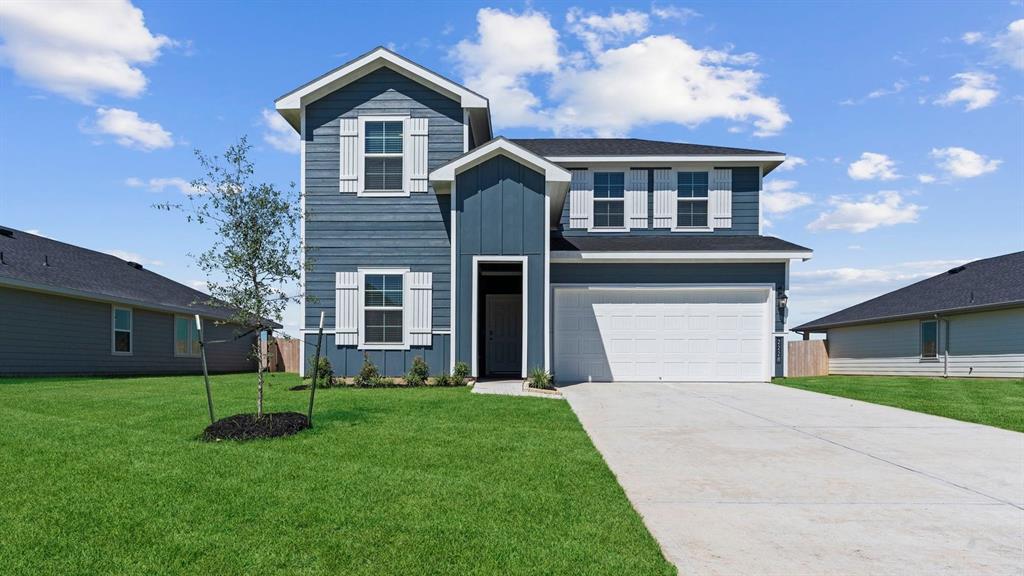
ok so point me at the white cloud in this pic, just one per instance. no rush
(161, 184)
(901, 272)
(674, 13)
(36, 232)
(792, 163)
(925, 178)
(608, 91)
(854, 247)
(79, 49)
(595, 30)
(509, 48)
(1008, 47)
(778, 197)
(977, 89)
(885, 208)
(200, 285)
(279, 133)
(963, 163)
(873, 166)
(896, 88)
(134, 257)
(972, 37)
(130, 130)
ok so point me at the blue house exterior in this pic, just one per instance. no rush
(596, 259)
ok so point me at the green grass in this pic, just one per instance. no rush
(106, 476)
(995, 402)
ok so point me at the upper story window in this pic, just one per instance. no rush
(382, 156)
(692, 200)
(609, 199)
(121, 330)
(930, 339)
(382, 309)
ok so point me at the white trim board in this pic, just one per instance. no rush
(688, 256)
(477, 260)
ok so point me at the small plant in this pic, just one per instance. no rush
(368, 374)
(460, 373)
(384, 382)
(324, 372)
(442, 380)
(419, 372)
(541, 378)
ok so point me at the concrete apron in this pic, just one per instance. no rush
(763, 479)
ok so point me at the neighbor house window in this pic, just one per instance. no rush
(121, 324)
(929, 339)
(186, 336)
(609, 199)
(382, 309)
(382, 156)
(692, 200)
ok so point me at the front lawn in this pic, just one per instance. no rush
(995, 402)
(107, 476)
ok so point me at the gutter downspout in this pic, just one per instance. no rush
(944, 334)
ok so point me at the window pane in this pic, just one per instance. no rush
(929, 339)
(383, 326)
(692, 213)
(195, 338)
(608, 214)
(609, 185)
(383, 138)
(122, 319)
(692, 184)
(181, 332)
(383, 173)
(122, 341)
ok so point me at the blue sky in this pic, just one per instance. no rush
(905, 120)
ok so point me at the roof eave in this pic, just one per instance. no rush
(738, 256)
(817, 328)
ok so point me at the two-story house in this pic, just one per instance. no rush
(598, 259)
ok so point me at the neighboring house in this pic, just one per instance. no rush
(598, 259)
(968, 321)
(70, 310)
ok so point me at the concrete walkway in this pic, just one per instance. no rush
(763, 479)
(509, 388)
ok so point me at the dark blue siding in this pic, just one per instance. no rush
(347, 360)
(345, 232)
(745, 273)
(500, 211)
(746, 184)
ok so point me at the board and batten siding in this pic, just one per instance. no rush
(345, 232)
(746, 191)
(500, 212)
(50, 334)
(980, 344)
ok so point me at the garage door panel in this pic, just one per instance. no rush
(661, 334)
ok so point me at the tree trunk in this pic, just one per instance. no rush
(259, 381)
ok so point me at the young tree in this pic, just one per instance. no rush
(256, 254)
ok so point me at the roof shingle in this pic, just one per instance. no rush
(628, 147)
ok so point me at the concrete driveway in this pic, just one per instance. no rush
(762, 479)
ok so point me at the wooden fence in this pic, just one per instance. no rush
(807, 358)
(283, 356)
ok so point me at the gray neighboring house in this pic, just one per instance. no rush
(598, 259)
(68, 310)
(967, 321)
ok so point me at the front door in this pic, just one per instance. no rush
(504, 333)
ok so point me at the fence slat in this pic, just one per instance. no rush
(807, 358)
(284, 356)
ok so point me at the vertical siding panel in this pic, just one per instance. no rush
(512, 209)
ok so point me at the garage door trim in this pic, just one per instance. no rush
(768, 288)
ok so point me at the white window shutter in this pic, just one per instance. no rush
(636, 199)
(664, 199)
(346, 308)
(581, 200)
(720, 198)
(415, 157)
(348, 153)
(419, 300)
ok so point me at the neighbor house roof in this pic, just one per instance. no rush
(558, 147)
(990, 283)
(646, 247)
(37, 263)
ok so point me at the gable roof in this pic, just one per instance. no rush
(990, 283)
(558, 147)
(290, 105)
(38, 263)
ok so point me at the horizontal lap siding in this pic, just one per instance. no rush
(48, 334)
(980, 344)
(344, 231)
(348, 360)
(746, 190)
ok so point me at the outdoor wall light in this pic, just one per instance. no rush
(783, 301)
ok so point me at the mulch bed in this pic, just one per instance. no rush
(248, 427)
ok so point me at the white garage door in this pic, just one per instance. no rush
(668, 334)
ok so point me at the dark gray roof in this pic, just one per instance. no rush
(627, 147)
(989, 283)
(675, 243)
(44, 263)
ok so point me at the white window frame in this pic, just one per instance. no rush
(363, 344)
(594, 200)
(920, 340)
(707, 201)
(361, 168)
(114, 331)
(192, 329)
